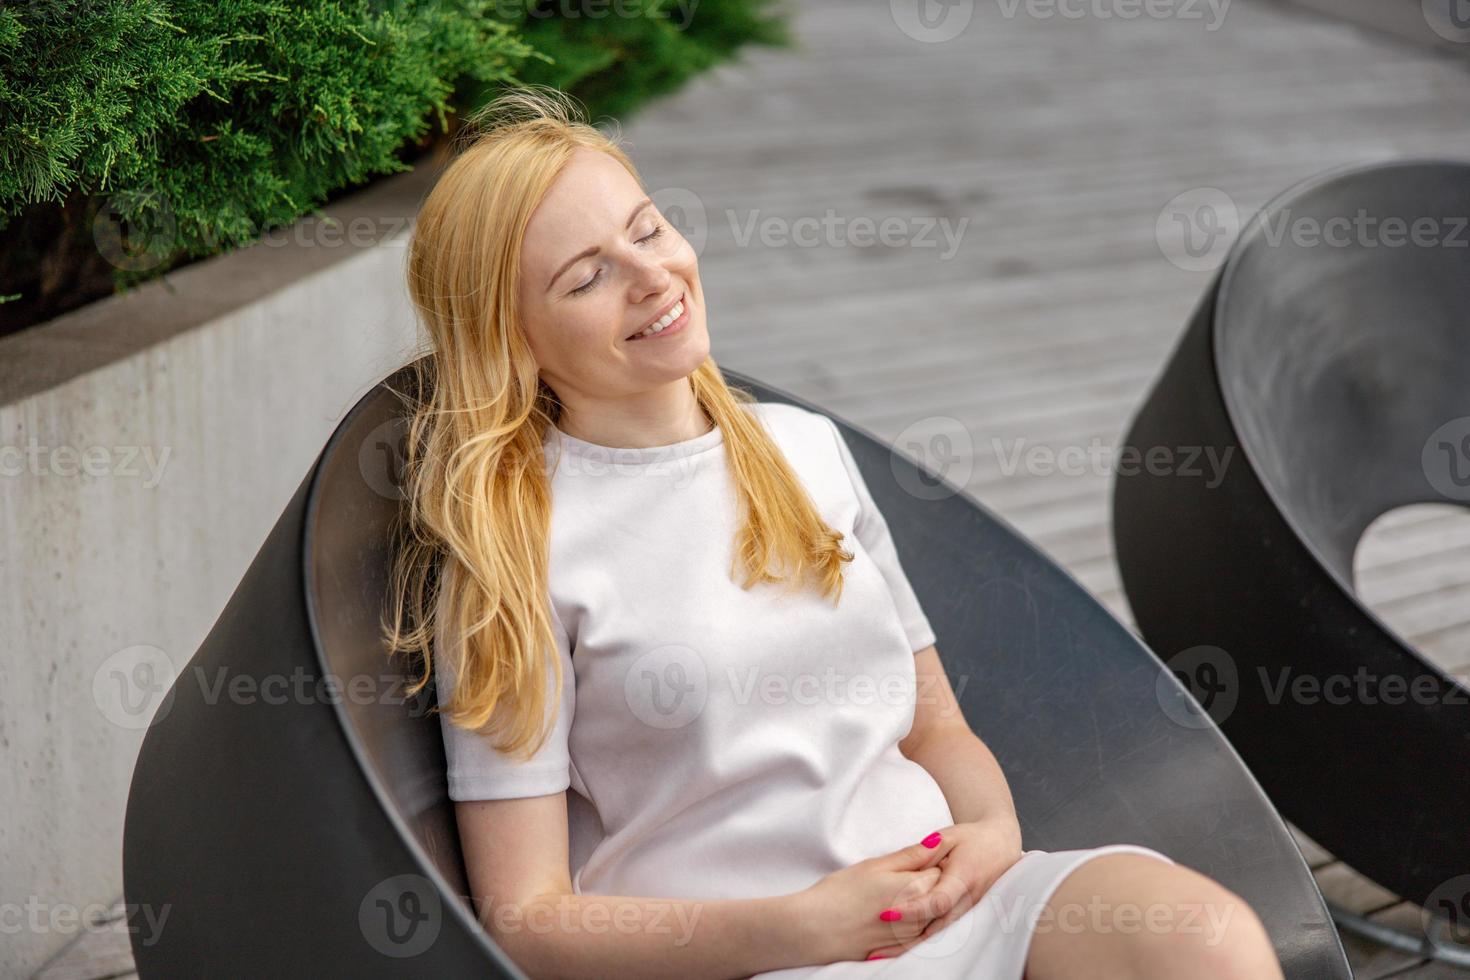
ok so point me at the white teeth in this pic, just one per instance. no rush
(658, 325)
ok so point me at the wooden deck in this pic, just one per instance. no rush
(1061, 140)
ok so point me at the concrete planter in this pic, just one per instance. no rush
(147, 444)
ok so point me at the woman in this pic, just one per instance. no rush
(682, 604)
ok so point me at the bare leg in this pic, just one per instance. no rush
(1129, 916)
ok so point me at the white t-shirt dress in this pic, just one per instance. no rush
(725, 743)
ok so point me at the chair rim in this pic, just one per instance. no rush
(424, 864)
(1219, 310)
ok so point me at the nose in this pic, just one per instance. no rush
(650, 276)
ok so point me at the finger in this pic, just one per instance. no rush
(921, 883)
(944, 896)
(910, 900)
(964, 905)
(919, 854)
(902, 943)
(887, 952)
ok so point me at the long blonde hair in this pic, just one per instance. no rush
(478, 494)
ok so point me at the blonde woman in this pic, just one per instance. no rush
(683, 606)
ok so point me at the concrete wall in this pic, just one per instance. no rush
(148, 442)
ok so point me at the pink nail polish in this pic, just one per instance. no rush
(890, 915)
(878, 956)
(932, 840)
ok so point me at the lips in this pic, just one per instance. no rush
(657, 316)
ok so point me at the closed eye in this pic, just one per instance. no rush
(597, 276)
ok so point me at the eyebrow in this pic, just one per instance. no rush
(594, 249)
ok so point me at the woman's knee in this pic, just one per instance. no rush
(1200, 928)
(1135, 916)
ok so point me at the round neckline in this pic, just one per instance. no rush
(635, 454)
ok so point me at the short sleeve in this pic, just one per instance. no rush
(476, 770)
(872, 531)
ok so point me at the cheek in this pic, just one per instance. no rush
(684, 260)
(591, 323)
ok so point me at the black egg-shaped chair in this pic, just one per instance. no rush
(1328, 366)
(314, 836)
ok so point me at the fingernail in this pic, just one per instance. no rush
(890, 915)
(878, 956)
(932, 840)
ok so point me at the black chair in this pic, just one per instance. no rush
(315, 837)
(1333, 373)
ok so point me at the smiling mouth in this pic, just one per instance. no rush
(672, 320)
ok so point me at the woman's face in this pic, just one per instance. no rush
(598, 266)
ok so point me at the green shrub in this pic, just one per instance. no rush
(198, 126)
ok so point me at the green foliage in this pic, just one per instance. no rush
(617, 54)
(224, 119)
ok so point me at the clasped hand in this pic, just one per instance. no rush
(887, 904)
